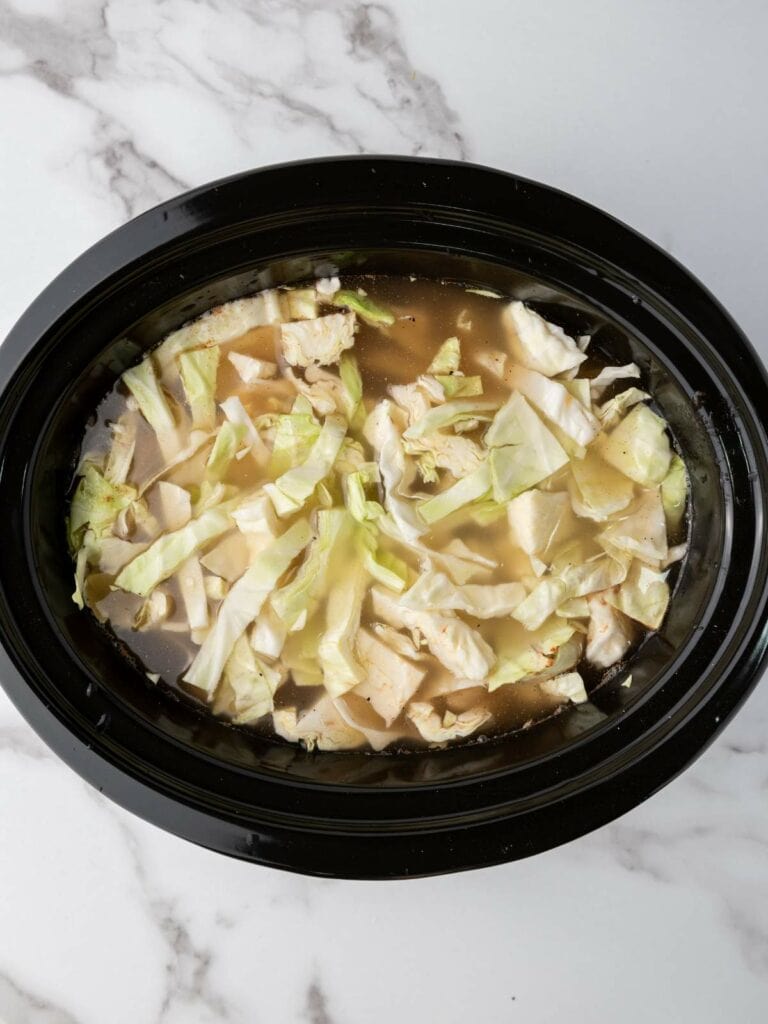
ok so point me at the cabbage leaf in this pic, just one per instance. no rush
(163, 557)
(198, 369)
(243, 603)
(537, 344)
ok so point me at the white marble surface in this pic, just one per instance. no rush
(654, 111)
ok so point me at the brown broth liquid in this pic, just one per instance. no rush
(428, 312)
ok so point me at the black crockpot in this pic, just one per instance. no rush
(357, 814)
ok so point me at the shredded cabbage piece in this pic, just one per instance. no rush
(321, 727)
(243, 603)
(644, 595)
(162, 558)
(221, 324)
(609, 635)
(448, 414)
(143, 384)
(557, 403)
(674, 493)
(435, 592)
(569, 686)
(198, 370)
(293, 488)
(447, 358)
(390, 680)
(537, 344)
(457, 646)
(435, 729)
(251, 370)
(365, 308)
(97, 504)
(320, 341)
(465, 491)
(639, 447)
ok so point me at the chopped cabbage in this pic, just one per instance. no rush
(610, 374)
(412, 399)
(321, 727)
(524, 654)
(198, 370)
(448, 414)
(538, 518)
(255, 516)
(120, 456)
(574, 581)
(300, 303)
(598, 490)
(447, 358)
(643, 596)
(143, 384)
(236, 414)
(537, 344)
(382, 433)
(302, 595)
(295, 434)
(320, 341)
(447, 386)
(674, 492)
(389, 681)
(384, 597)
(459, 455)
(243, 603)
(385, 567)
(327, 286)
(642, 530)
(366, 309)
(352, 384)
(457, 646)
(609, 635)
(338, 658)
(220, 325)
(162, 558)
(610, 413)
(175, 505)
(470, 488)
(523, 451)
(229, 440)
(354, 484)
(113, 552)
(193, 594)
(557, 403)
(402, 643)
(252, 681)
(435, 729)
(293, 488)
(97, 504)
(229, 558)
(639, 447)
(357, 714)
(251, 370)
(269, 633)
(435, 592)
(154, 610)
(322, 389)
(569, 686)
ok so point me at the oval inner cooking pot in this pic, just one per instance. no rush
(358, 814)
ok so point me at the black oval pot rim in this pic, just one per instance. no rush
(700, 726)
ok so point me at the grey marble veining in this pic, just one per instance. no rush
(110, 107)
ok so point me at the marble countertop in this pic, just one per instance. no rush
(654, 112)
